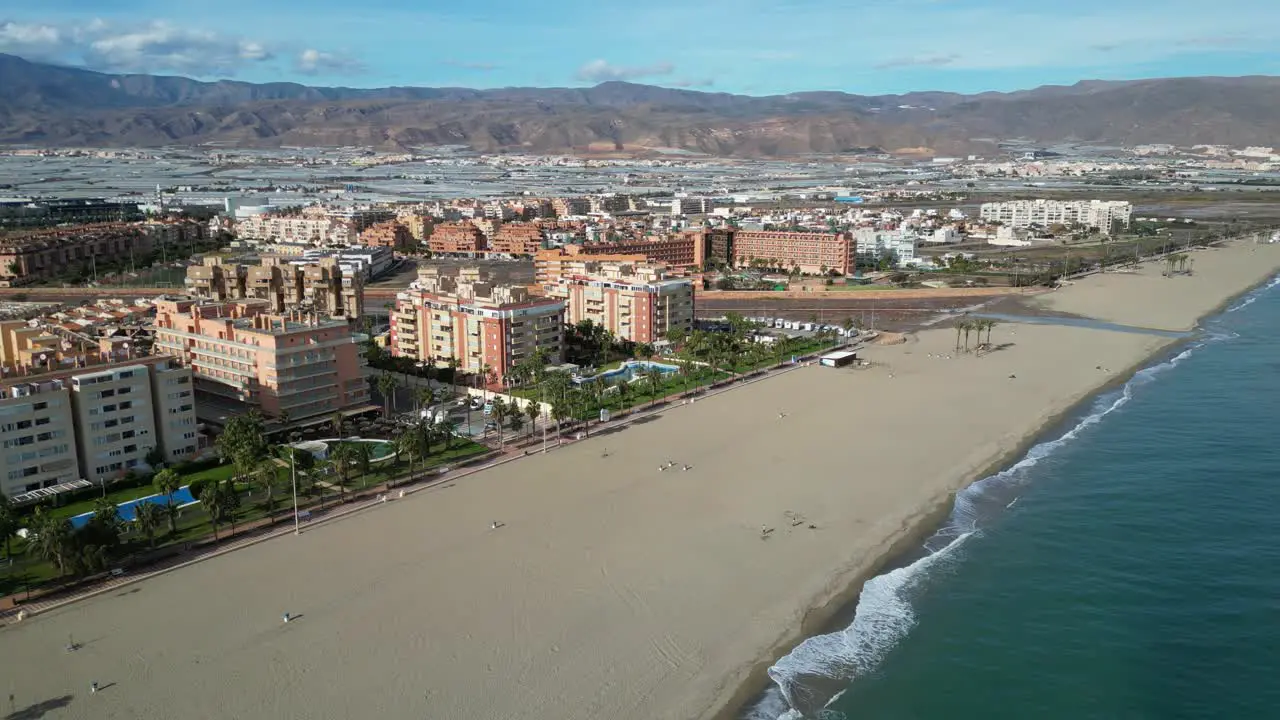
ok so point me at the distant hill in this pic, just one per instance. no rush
(60, 106)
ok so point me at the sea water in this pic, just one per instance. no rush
(1127, 567)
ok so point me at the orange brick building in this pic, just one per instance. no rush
(517, 239)
(813, 253)
(390, 234)
(457, 238)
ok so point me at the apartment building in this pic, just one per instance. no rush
(417, 222)
(389, 233)
(874, 245)
(296, 228)
(457, 238)
(607, 204)
(35, 255)
(245, 357)
(570, 206)
(634, 301)
(554, 264)
(1101, 215)
(688, 250)
(516, 239)
(813, 253)
(690, 206)
(94, 425)
(479, 323)
(287, 285)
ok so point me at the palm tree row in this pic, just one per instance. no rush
(976, 326)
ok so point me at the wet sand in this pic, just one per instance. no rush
(612, 590)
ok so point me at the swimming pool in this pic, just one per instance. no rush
(127, 512)
(628, 371)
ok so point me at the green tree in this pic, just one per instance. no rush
(55, 539)
(8, 524)
(336, 421)
(147, 515)
(167, 482)
(498, 411)
(155, 457)
(342, 457)
(362, 456)
(532, 410)
(265, 473)
(387, 385)
(406, 445)
(423, 397)
(211, 500)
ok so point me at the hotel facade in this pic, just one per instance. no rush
(244, 357)
(480, 324)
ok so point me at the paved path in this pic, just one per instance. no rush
(262, 530)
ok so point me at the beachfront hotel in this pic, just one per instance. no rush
(634, 301)
(813, 253)
(245, 357)
(64, 429)
(475, 321)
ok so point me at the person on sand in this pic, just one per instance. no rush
(93, 687)
(287, 618)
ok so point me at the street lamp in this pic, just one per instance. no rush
(293, 472)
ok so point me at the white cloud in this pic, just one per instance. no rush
(315, 62)
(602, 71)
(918, 61)
(155, 47)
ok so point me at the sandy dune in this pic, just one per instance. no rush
(613, 590)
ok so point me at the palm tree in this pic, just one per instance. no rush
(406, 443)
(147, 515)
(959, 329)
(498, 412)
(213, 504)
(423, 397)
(989, 324)
(532, 410)
(653, 377)
(55, 539)
(387, 384)
(167, 482)
(230, 502)
(8, 523)
(342, 456)
(335, 421)
(265, 474)
(362, 455)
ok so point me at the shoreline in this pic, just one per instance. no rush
(927, 523)
(615, 589)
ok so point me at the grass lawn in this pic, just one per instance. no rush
(29, 570)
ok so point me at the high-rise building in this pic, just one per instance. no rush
(244, 357)
(1100, 215)
(93, 425)
(480, 324)
(813, 253)
(633, 301)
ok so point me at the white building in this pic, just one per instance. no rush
(1009, 236)
(1097, 214)
(690, 206)
(943, 235)
(873, 245)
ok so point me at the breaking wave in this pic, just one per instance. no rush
(812, 675)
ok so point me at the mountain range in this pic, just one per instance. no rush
(49, 105)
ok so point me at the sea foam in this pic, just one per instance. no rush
(818, 670)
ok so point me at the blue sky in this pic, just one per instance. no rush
(744, 46)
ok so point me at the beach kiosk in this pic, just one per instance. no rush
(840, 358)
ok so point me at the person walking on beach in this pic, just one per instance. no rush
(286, 618)
(93, 688)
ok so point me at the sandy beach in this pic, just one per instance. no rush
(612, 590)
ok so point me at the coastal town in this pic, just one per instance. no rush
(188, 387)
